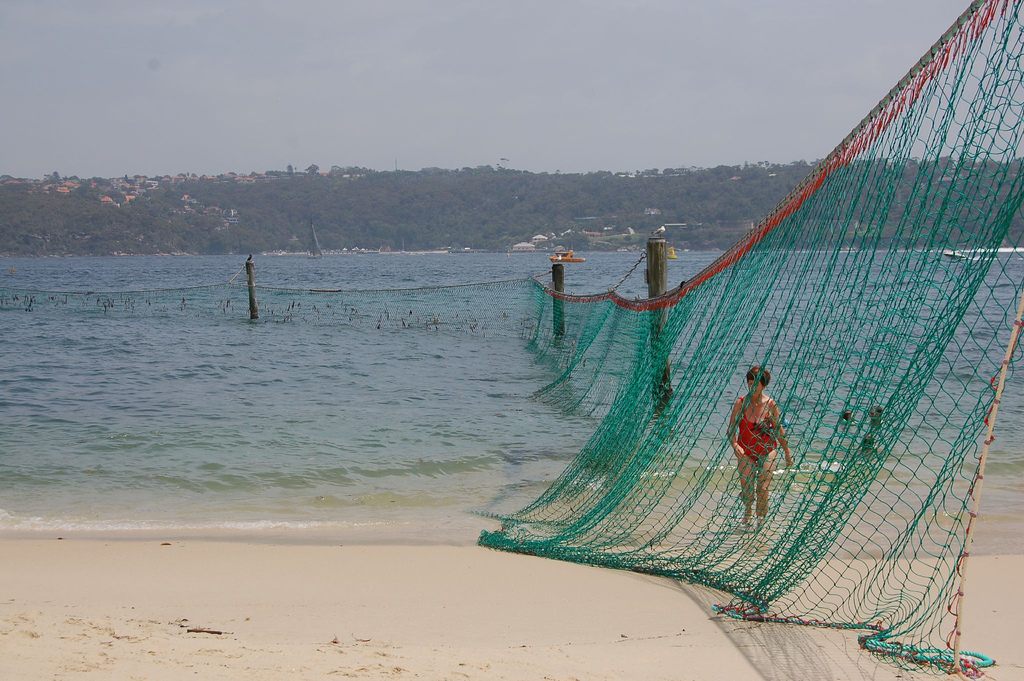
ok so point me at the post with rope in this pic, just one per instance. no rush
(558, 308)
(961, 664)
(657, 285)
(250, 275)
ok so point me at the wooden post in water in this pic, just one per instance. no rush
(657, 266)
(250, 275)
(558, 310)
(657, 284)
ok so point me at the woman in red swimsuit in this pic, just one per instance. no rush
(755, 431)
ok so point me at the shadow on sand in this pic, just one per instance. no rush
(783, 652)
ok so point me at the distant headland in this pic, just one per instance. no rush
(358, 209)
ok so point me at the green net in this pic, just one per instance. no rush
(878, 297)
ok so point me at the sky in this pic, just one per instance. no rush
(105, 88)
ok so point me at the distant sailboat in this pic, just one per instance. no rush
(315, 252)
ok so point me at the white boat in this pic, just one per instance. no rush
(954, 254)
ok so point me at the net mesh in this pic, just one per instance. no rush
(504, 308)
(878, 297)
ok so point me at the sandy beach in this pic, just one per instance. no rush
(122, 609)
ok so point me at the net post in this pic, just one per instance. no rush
(250, 275)
(657, 285)
(979, 478)
(558, 309)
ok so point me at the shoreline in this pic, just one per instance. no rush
(453, 527)
(408, 537)
(121, 610)
(997, 533)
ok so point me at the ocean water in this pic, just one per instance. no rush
(171, 424)
(179, 425)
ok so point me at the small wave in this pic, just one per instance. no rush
(9, 522)
(427, 467)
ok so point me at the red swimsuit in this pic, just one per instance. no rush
(757, 438)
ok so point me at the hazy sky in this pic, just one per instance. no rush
(208, 86)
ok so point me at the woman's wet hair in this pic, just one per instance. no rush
(756, 373)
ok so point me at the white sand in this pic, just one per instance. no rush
(90, 609)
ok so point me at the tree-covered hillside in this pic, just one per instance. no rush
(478, 208)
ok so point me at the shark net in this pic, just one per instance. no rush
(878, 298)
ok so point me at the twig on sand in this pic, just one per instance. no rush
(183, 623)
(204, 630)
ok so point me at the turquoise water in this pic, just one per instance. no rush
(183, 423)
(208, 423)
